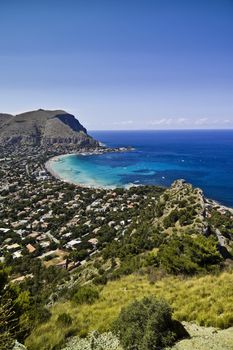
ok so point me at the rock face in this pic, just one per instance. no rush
(42, 128)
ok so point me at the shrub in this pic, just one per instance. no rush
(37, 315)
(147, 324)
(42, 315)
(100, 280)
(64, 320)
(86, 295)
(171, 219)
(159, 209)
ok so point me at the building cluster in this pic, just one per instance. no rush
(54, 221)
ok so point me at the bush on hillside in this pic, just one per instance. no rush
(64, 320)
(86, 295)
(39, 314)
(147, 324)
(100, 280)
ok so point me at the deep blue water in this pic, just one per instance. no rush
(203, 158)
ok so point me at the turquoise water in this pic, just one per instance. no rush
(91, 170)
(204, 158)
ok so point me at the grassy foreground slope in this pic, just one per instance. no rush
(205, 300)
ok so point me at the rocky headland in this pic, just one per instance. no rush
(44, 128)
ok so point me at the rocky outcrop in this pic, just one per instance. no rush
(19, 346)
(205, 338)
(43, 128)
(182, 208)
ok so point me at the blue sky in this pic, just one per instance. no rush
(120, 64)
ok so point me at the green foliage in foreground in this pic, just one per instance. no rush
(14, 305)
(147, 324)
(7, 326)
(206, 300)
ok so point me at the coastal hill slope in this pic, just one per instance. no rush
(4, 117)
(43, 128)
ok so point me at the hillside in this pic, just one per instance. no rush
(43, 128)
(181, 208)
(205, 305)
(78, 255)
(4, 117)
(177, 261)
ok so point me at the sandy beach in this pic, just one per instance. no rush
(48, 167)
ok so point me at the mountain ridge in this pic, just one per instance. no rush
(43, 128)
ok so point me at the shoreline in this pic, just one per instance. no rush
(50, 170)
(57, 158)
(208, 201)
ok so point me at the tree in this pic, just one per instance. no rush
(147, 324)
(12, 306)
(7, 325)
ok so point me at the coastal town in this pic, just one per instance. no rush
(59, 223)
(116, 191)
(62, 242)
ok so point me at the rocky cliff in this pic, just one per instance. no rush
(43, 128)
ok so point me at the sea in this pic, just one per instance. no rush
(202, 158)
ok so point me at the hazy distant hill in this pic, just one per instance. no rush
(43, 127)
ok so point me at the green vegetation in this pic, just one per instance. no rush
(145, 242)
(183, 254)
(22, 307)
(180, 207)
(14, 305)
(189, 255)
(222, 222)
(206, 300)
(7, 325)
(64, 320)
(86, 295)
(147, 324)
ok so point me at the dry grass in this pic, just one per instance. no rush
(206, 300)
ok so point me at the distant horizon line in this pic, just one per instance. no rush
(135, 130)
